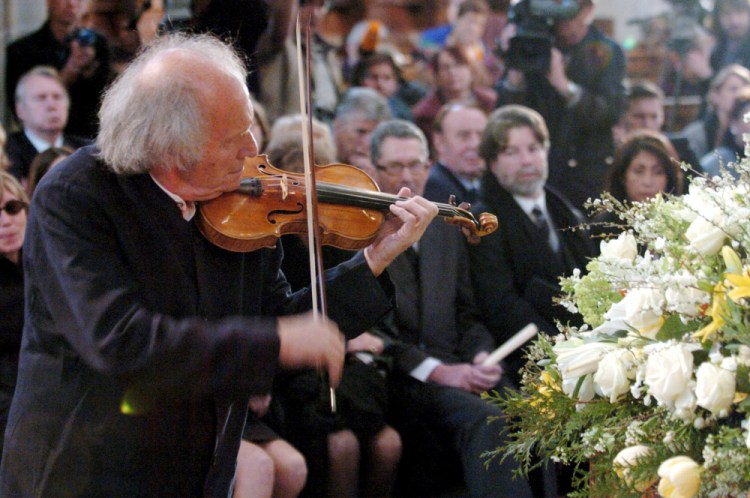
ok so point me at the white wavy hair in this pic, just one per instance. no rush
(154, 114)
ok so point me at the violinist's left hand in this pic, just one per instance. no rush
(402, 228)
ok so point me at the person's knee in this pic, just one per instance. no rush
(387, 445)
(291, 471)
(343, 446)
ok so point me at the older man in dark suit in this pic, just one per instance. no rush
(436, 339)
(459, 167)
(515, 270)
(143, 341)
(42, 105)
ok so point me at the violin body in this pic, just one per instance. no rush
(271, 202)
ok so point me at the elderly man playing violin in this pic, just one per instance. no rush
(143, 341)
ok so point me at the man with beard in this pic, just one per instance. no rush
(515, 270)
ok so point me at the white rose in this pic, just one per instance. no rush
(643, 310)
(628, 458)
(668, 373)
(623, 247)
(680, 478)
(686, 300)
(714, 389)
(611, 378)
(576, 358)
(705, 237)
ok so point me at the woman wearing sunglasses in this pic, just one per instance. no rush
(14, 205)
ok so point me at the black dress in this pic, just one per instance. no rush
(11, 327)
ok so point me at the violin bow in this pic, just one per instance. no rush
(315, 247)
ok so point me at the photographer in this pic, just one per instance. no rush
(81, 56)
(572, 75)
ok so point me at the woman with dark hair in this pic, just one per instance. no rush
(14, 205)
(455, 81)
(643, 168)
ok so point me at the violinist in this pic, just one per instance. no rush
(144, 341)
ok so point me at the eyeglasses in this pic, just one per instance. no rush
(14, 207)
(395, 169)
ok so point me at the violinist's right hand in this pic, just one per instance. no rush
(404, 226)
(308, 342)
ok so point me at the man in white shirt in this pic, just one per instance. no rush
(42, 105)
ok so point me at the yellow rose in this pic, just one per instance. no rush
(680, 477)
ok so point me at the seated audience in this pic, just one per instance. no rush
(707, 133)
(14, 205)
(454, 82)
(42, 106)
(437, 341)
(352, 452)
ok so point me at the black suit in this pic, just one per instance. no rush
(22, 152)
(442, 183)
(436, 316)
(515, 271)
(143, 341)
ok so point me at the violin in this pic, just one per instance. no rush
(271, 202)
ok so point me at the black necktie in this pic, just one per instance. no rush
(542, 226)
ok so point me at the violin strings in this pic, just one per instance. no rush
(355, 196)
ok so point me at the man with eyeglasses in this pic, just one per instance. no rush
(437, 343)
(456, 134)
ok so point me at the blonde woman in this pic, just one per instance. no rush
(14, 206)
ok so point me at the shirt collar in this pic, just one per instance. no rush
(187, 208)
(40, 144)
(528, 204)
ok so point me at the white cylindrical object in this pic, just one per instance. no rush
(515, 342)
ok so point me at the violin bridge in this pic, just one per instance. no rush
(284, 187)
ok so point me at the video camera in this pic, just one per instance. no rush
(529, 49)
(84, 36)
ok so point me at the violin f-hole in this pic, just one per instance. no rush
(282, 212)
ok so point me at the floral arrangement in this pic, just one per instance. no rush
(651, 394)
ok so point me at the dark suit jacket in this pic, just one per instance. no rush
(442, 183)
(143, 341)
(435, 314)
(22, 152)
(515, 272)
